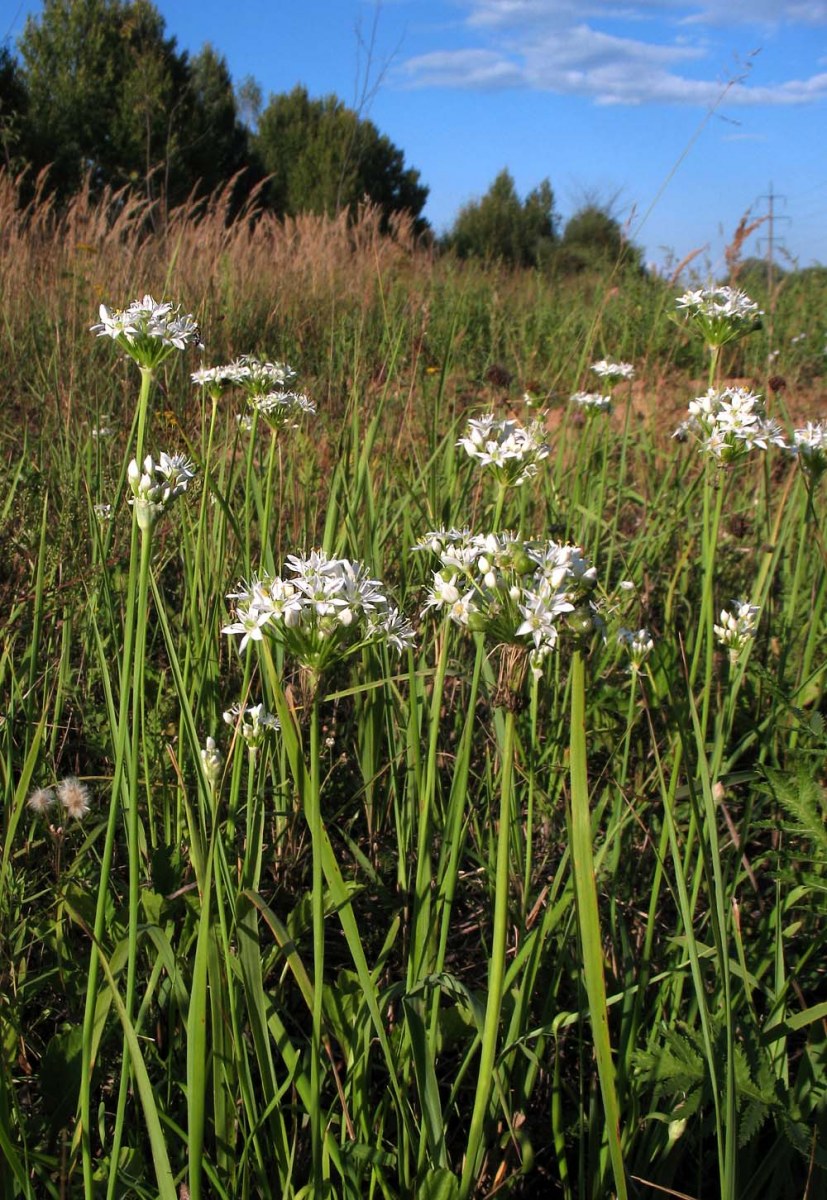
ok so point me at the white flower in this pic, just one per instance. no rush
(721, 313)
(253, 723)
(737, 626)
(211, 760)
(329, 606)
(148, 331)
(810, 447)
(156, 485)
(638, 643)
(730, 422)
(591, 401)
(613, 370)
(512, 450)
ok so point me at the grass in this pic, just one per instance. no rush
(448, 933)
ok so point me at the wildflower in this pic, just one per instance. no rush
(512, 450)
(737, 626)
(592, 402)
(810, 448)
(510, 589)
(722, 313)
(326, 610)
(253, 723)
(104, 430)
(74, 796)
(729, 423)
(156, 485)
(212, 761)
(613, 370)
(149, 332)
(103, 512)
(638, 643)
(40, 801)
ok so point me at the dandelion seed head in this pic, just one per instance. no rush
(74, 796)
(40, 801)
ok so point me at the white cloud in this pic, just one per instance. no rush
(558, 46)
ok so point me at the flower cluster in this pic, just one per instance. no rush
(253, 723)
(613, 370)
(638, 644)
(729, 423)
(510, 589)
(810, 448)
(267, 385)
(329, 608)
(510, 449)
(155, 485)
(72, 796)
(721, 313)
(149, 332)
(592, 402)
(737, 626)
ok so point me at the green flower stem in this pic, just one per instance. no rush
(420, 963)
(313, 812)
(121, 755)
(496, 973)
(588, 919)
(502, 488)
(147, 377)
(705, 636)
(132, 837)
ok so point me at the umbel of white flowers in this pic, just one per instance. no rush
(516, 592)
(720, 313)
(729, 423)
(148, 331)
(509, 449)
(267, 386)
(326, 610)
(809, 446)
(155, 485)
(737, 627)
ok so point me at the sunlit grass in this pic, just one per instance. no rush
(455, 922)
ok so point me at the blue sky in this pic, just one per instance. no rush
(683, 113)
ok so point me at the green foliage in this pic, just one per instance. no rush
(324, 158)
(594, 240)
(13, 105)
(500, 226)
(110, 95)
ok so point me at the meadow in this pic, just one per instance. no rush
(412, 778)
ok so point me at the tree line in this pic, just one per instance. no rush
(98, 92)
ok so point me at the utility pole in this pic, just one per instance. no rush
(772, 216)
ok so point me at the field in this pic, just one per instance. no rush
(391, 806)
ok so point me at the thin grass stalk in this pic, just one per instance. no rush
(588, 918)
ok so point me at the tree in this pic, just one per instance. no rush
(13, 106)
(501, 226)
(213, 142)
(104, 85)
(324, 158)
(593, 240)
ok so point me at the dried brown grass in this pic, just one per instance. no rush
(215, 257)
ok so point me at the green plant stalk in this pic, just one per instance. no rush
(121, 755)
(313, 811)
(588, 918)
(705, 632)
(420, 962)
(496, 971)
(132, 837)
